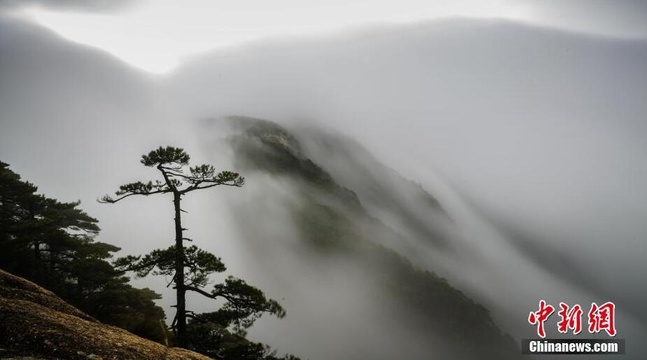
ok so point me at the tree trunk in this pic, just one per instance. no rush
(37, 250)
(179, 274)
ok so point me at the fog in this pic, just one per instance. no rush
(531, 139)
(535, 136)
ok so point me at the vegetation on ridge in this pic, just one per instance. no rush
(329, 220)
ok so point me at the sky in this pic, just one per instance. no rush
(157, 36)
(526, 118)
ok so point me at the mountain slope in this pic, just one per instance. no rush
(334, 228)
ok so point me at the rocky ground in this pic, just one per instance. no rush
(36, 324)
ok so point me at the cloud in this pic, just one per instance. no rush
(541, 128)
(91, 6)
(622, 18)
(176, 31)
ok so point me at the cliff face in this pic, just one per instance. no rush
(35, 322)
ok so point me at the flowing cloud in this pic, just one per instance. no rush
(176, 31)
(517, 130)
(622, 19)
(89, 6)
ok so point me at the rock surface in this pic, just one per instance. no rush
(37, 324)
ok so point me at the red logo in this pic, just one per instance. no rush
(600, 318)
(539, 317)
(571, 319)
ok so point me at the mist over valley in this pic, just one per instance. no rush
(412, 191)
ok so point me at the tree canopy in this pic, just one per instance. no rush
(191, 267)
(53, 244)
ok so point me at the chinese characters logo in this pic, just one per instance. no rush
(599, 318)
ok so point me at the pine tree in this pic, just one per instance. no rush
(190, 267)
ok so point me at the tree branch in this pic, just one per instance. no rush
(196, 187)
(200, 291)
(107, 199)
(211, 296)
(168, 181)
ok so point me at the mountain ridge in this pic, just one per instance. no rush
(333, 224)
